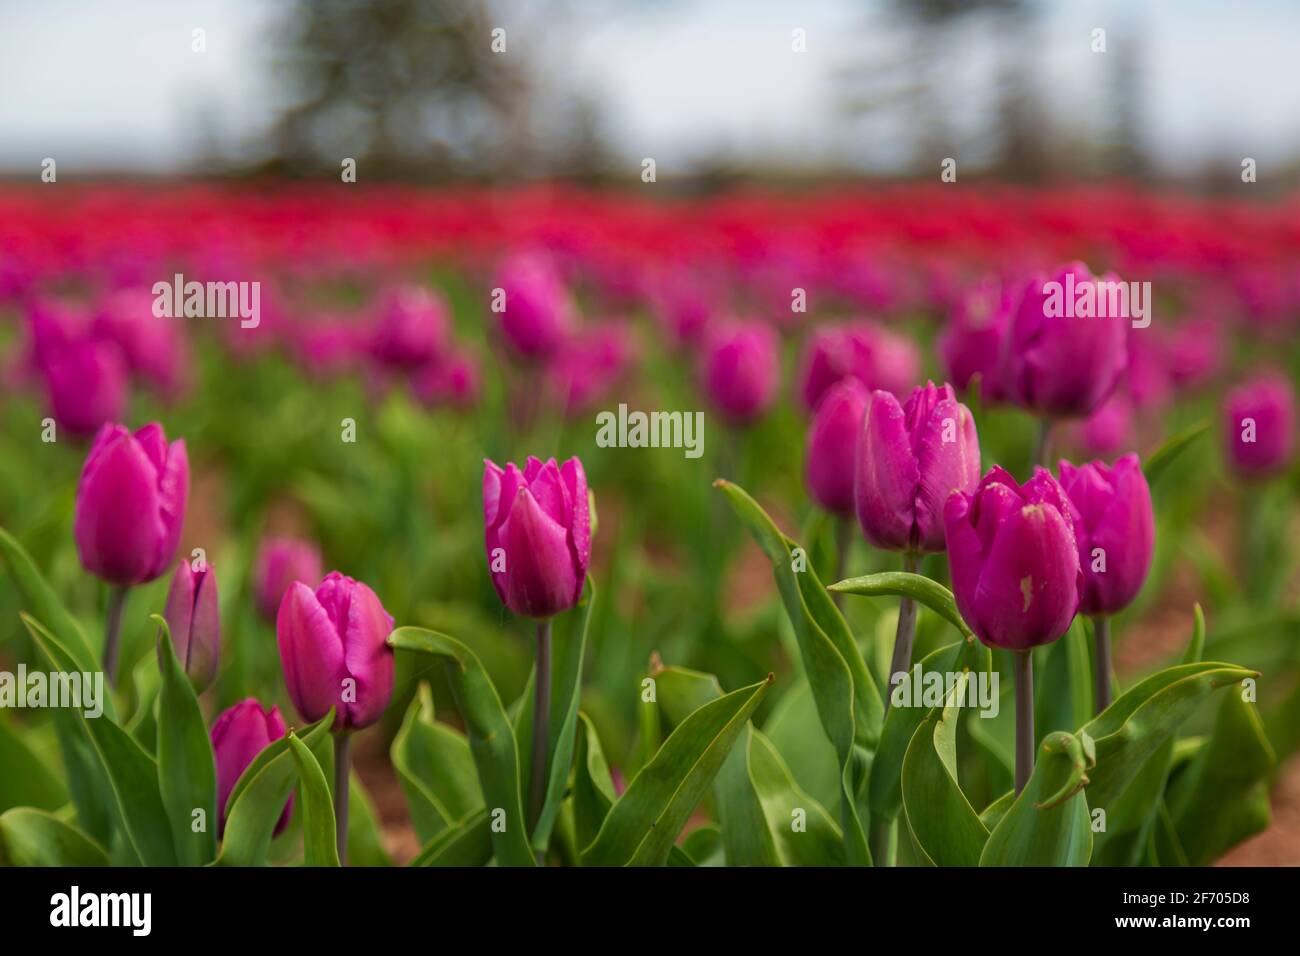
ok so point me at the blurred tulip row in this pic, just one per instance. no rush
(582, 658)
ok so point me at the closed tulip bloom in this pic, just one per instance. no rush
(971, 344)
(280, 562)
(1114, 528)
(537, 314)
(334, 651)
(741, 369)
(910, 458)
(238, 736)
(1057, 363)
(411, 327)
(86, 382)
(154, 348)
(1014, 559)
(195, 623)
(832, 438)
(1259, 424)
(873, 355)
(131, 504)
(537, 530)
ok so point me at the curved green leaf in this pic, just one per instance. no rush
(593, 788)
(319, 839)
(30, 837)
(1159, 461)
(642, 825)
(491, 736)
(918, 587)
(945, 828)
(187, 771)
(436, 769)
(25, 780)
(44, 605)
(1048, 824)
(466, 843)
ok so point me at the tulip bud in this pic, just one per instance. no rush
(874, 356)
(411, 327)
(537, 314)
(1259, 423)
(910, 458)
(832, 438)
(280, 562)
(537, 530)
(154, 348)
(238, 736)
(195, 623)
(971, 344)
(1014, 559)
(741, 368)
(333, 647)
(86, 382)
(131, 504)
(1115, 531)
(1062, 364)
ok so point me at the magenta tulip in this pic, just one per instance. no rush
(741, 368)
(536, 312)
(1014, 559)
(1259, 426)
(194, 620)
(1115, 531)
(280, 562)
(131, 504)
(876, 357)
(334, 651)
(910, 458)
(832, 438)
(154, 348)
(238, 736)
(537, 530)
(1056, 362)
(86, 381)
(411, 327)
(971, 344)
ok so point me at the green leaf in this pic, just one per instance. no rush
(1196, 646)
(804, 832)
(794, 728)
(365, 844)
(131, 773)
(945, 828)
(491, 736)
(44, 605)
(1158, 463)
(258, 798)
(25, 780)
(1222, 797)
(436, 769)
(1048, 824)
(704, 846)
(466, 843)
(918, 587)
(30, 837)
(568, 647)
(1128, 732)
(642, 825)
(187, 771)
(847, 696)
(593, 789)
(319, 839)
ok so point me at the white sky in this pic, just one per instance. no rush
(116, 85)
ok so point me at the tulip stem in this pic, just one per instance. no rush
(541, 717)
(1101, 635)
(113, 633)
(1023, 664)
(904, 637)
(342, 774)
(1044, 448)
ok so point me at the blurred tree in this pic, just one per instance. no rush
(415, 89)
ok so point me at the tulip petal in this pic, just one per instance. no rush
(540, 579)
(886, 475)
(311, 654)
(368, 657)
(118, 523)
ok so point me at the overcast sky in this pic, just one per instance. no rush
(117, 86)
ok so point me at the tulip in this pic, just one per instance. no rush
(238, 736)
(411, 327)
(1062, 366)
(971, 344)
(334, 651)
(741, 366)
(1015, 574)
(1115, 531)
(454, 380)
(194, 621)
(129, 510)
(832, 437)
(584, 372)
(280, 562)
(86, 381)
(1110, 429)
(1259, 426)
(537, 531)
(537, 314)
(154, 348)
(876, 357)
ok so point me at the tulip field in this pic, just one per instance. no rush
(880, 525)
